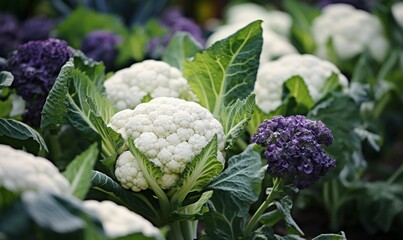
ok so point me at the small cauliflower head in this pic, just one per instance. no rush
(22, 172)
(352, 31)
(274, 45)
(128, 87)
(119, 221)
(170, 132)
(272, 75)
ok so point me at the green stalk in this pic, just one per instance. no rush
(188, 229)
(175, 232)
(255, 218)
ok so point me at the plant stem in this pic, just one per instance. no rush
(395, 175)
(188, 229)
(175, 231)
(255, 218)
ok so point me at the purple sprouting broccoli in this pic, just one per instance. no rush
(101, 46)
(37, 28)
(35, 66)
(174, 21)
(293, 149)
(8, 34)
(359, 4)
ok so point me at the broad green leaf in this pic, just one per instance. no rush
(242, 179)
(198, 173)
(15, 222)
(227, 70)
(6, 79)
(192, 211)
(262, 233)
(284, 206)
(235, 117)
(6, 106)
(6, 198)
(332, 83)
(137, 202)
(54, 109)
(297, 88)
(181, 47)
(222, 221)
(94, 70)
(82, 21)
(331, 236)
(19, 134)
(78, 172)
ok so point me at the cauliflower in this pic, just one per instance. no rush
(22, 172)
(272, 75)
(170, 132)
(397, 12)
(274, 45)
(352, 32)
(118, 221)
(128, 86)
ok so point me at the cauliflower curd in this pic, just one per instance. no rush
(272, 75)
(128, 86)
(22, 172)
(170, 132)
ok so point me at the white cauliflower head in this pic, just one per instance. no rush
(119, 221)
(352, 31)
(170, 132)
(274, 45)
(128, 86)
(272, 75)
(22, 172)
(397, 12)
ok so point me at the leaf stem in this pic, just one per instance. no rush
(255, 218)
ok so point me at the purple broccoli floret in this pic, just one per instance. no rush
(8, 34)
(35, 66)
(101, 46)
(293, 149)
(37, 28)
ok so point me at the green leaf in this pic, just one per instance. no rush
(298, 89)
(82, 21)
(332, 83)
(192, 211)
(284, 206)
(235, 118)
(181, 47)
(94, 70)
(227, 70)
(20, 135)
(137, 202)
(242, 179)
(331, 236)
(198, 173)
(6, 79)
(78, 172)
(54, 109)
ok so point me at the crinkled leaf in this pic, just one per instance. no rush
(235, 117)
(227, 70)
(181, 47)
(284, 206)
(94, 70)
(136, 202)
(19, 134)
(242, 179)
(198, 173)
(194, 210)
(78, 172)
(262, 233)
(331, 236)
(298, 89)
(222, 221)
(54, 109)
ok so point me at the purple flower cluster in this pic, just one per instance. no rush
(293, 149)
(35, 66)
(101, 46)
(13, 33)
(174, 21)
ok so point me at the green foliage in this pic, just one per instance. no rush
(6, 79)
(227, 70)
(79, 171)
(20, 135)
(181, 47)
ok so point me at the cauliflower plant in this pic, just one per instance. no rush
(352, 31)
(128, 87)
(22, 172)
(170, 132)
(118, 221)
(274, 45)
(272, 75)
(397, 12)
